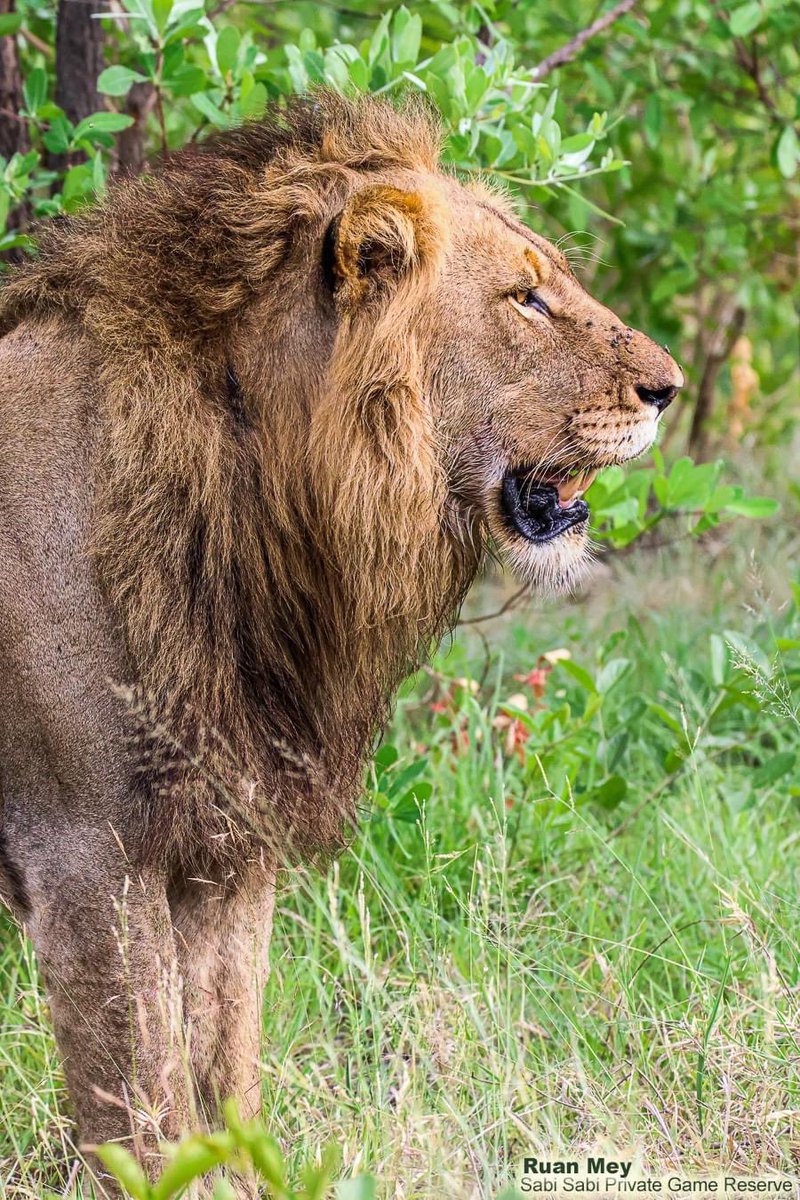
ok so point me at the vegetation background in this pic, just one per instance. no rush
(571, 919)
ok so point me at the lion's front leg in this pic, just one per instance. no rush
(222, 934)
(108, 958)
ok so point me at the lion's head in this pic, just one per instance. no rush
(326, 376)
(529, 384)
(538, 386)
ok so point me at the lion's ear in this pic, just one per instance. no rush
(383, 235)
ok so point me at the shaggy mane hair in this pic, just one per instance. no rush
(271, 519)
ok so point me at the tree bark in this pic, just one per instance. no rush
(724, 339)
(130, 142)
(79, 58)
(13, 129)
(13, 132)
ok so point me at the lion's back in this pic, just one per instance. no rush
(45, 439)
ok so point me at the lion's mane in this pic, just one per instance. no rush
(276, 565)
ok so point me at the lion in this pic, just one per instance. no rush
(265, 411)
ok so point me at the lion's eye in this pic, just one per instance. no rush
(531, 301)
(528, 301)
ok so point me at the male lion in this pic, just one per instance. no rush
(263, 410)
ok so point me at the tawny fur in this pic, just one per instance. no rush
(276, 576)
(280, 557)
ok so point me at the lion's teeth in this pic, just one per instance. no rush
(571, 489)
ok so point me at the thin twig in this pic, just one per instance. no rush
(748, 61)
(162, 124)
(571, 49)
(36, 42)
(220, 8)
(512, 600)
(729, 330)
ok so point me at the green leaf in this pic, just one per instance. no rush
(359, 74)
(263, 1149)
(297, 71)
(10, 241)
(611, 674)
(386, 757)
(721, 497)
(255, 102)
(317, 1179)
(117, 81)
(59, 136)
(34, 90)
(673, 283)
(124, 1167)
(653, 118)
(610, 792)
(77, 184)
(211, 111)
(774, 769)
(757, 507)
(719, 658)
(745, 19)
(360, 1188)
(666, 717)
(579, 141)
(406, 37)
(315, 65)
(98, 174)
(689, 485)
(379, 42)
(227, 49)
(102, 122)
(787, 152)
(142, 10)
(189, 24)
(185, 80)
(408, 806)
(400, 780)
(578, 673)
(223, 1190)
(10, 23)
(337, 69)
(194, 1157)
(674, 760)
(161, 13)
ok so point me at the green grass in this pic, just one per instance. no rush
(589, 938)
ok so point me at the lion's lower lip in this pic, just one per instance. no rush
(536, 512)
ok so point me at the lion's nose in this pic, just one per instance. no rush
(659, 397)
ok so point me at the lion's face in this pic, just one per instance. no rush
(485, 352)
(536, 387)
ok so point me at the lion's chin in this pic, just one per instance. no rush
(555, 566)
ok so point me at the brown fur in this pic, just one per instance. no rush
(211, 518)
(300, 375)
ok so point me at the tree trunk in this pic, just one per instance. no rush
(13, 130)
(724, 338)
(13, 133)
(79, 60)
(130, 142)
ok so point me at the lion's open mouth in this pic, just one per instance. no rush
(540, 510)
